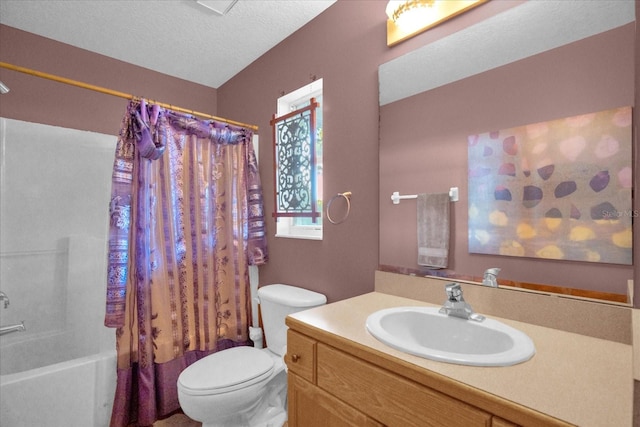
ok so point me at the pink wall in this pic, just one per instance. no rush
(37, 100)
(423, 147)
(344, 46)
(636, 184)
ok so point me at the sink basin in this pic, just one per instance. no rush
(424, 332)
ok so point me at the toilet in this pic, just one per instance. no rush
(246, 386)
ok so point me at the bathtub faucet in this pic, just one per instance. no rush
(13, 328)
(5, 298)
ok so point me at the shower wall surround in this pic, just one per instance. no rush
(54, 214)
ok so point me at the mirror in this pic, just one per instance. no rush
(536, 62)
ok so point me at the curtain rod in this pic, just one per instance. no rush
(119, 94)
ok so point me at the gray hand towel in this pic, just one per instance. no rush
(433, 230)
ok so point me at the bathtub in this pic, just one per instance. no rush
(75, 393)
(61, 371)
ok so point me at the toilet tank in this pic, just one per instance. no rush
(276, 303)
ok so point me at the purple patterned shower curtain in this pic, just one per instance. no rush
(186, 222)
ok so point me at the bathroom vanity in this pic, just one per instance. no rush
(340, 375)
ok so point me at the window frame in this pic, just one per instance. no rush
(286, 225)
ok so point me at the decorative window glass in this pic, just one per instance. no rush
(297, 133)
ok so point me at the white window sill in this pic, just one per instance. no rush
(299, 236)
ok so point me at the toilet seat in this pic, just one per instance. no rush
(225, 371)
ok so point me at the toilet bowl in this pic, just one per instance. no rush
(246, 386)
(240, 386)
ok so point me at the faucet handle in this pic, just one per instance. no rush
(456, 306)
(454, 292)
(5, 298)
(490, 277)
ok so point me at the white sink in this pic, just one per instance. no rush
(424, 332)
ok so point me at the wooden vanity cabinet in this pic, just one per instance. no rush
(390, 398)
(309, 405)
(331, 387)
(499, 422)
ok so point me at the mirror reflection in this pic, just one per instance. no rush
(513, 69)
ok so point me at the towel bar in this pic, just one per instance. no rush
(396, 197)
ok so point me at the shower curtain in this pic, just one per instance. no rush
(186, 221)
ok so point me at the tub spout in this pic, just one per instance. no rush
(19, 327)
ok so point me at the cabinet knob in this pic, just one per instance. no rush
(295, 357)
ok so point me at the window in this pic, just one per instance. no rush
(297, 137)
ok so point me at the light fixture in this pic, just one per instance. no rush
(408, 18)
(3, 88)
(220, 7)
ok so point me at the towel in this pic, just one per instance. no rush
(433, 230)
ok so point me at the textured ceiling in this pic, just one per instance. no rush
(176, 37)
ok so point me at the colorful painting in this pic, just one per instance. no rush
(555, 190)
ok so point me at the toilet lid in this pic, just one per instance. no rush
(226, 370)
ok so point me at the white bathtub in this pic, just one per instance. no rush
(61, 371)
(75, 393)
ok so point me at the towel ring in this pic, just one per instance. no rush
(347, 197)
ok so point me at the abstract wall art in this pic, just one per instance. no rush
(559, 189)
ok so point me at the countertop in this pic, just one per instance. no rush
(582, 380)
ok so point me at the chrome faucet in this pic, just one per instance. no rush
(490, 277)
(13, 328)
(5, 298)
(456, 306)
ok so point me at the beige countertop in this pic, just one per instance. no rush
(582, 380)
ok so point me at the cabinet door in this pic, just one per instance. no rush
(389, 398)
(499, 422)
(301, 355)
(310, 406)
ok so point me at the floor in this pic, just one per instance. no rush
(181, 420)
(177, 420)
